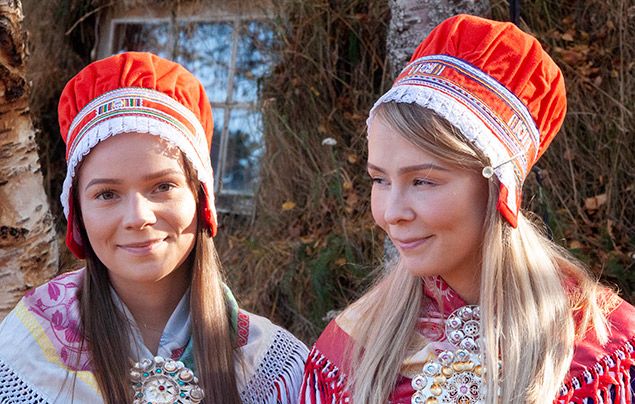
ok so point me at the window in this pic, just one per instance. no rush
(229, 53)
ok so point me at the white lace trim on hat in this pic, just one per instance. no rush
(140, 124)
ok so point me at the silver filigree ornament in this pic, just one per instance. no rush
(454, 376)
(161, 381)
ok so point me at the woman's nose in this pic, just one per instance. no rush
(398, 208)
(139, 212)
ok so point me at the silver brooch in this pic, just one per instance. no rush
(161, 381)
(454, 376)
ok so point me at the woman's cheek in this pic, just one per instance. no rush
(377, 208)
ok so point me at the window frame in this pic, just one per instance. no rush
(227, 200)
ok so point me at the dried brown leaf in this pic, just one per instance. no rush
(594, 202)
(575, 245)
(288, 205)
(569, 35)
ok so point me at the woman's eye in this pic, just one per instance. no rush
(377, 180)
(164, 187)
(421, 181)
(105, 195)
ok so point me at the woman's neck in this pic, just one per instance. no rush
(152, 304)
(468, 288)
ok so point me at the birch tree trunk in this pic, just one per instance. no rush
(410, 22)
(28, 246)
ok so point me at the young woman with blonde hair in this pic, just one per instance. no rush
(479, 306)
(149, 319)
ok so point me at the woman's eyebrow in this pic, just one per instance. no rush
(407, 169)
(96, 181)
(162, 173)
(419, 167)
(152, 176)
(370, 166)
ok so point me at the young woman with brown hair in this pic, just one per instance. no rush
(149, 319)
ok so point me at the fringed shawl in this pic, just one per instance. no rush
(598, 374)
(41, 350)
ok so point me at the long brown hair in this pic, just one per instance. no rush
(105, 329)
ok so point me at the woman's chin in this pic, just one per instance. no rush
(417, 270)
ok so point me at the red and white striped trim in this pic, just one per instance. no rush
(150, 112)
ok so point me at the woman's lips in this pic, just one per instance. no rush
(141, 248)
(410, 244)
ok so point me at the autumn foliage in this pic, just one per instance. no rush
(588, 181)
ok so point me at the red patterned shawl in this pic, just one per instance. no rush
(598, 374)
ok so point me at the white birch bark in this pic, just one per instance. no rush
(412, 20)
(28, 246)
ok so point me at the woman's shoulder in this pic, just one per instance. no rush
(64, 288)
(332, 343)
(50, 308)
(604, 368)
(257, 331)
(325, 375)
(620, 321)
(272, 361)
(40, 344)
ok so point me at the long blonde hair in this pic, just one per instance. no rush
(530, 289)
(213, 336)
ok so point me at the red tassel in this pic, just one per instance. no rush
(611, 371)
(323, 381)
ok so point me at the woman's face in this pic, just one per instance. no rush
(137, 208)
(432, 211)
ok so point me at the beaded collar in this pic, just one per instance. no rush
(448, 370)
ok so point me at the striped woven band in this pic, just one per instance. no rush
(142, 110)
(488, 114)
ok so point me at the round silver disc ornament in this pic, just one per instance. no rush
(164, 381)
(455, 375)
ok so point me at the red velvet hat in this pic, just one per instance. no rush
(135, 92)
(495, 84)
